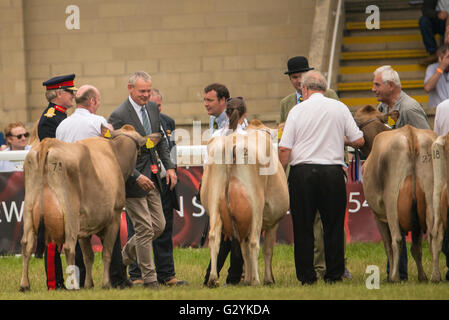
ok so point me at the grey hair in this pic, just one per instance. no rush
(51, 94)
(139, 74)
(388, 74)
(314, 80)
(156, 92)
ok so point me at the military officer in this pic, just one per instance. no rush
(60, 92)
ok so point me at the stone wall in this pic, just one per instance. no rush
(183, 44)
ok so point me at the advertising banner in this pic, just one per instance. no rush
(189, 222)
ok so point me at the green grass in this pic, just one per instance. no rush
(191, 264)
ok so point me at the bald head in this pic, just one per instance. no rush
(88, 97)
(313, 81)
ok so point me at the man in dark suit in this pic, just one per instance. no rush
(143, 187)
(162, 246)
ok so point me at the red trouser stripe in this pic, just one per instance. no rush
(51, 276)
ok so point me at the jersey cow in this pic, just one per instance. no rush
(244, 190)
(398, 186)
(440, 153)
(78, 189)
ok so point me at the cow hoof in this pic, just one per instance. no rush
(24, 289)
(268, 283)
(435, 279)
(213, 284)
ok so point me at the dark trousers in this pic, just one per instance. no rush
(429, 28)
(236, 261)
(320, 188)
(117, 270)
(162, 246)
(403, 260)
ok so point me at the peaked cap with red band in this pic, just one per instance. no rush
(61, 82)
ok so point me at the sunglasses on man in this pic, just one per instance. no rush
(19, 136)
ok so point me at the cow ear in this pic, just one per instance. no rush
(106, 132)
(150, 140)
(155, 137)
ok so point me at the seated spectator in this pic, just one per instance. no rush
(432, 22)
(16, 139)
(436, 82)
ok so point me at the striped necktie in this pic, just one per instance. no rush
(215, 124)
(146, 121)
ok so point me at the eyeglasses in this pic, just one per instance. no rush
(19, 136)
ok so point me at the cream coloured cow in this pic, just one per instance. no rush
(244, 190)
(398, 186)
(78, 189)
(440, 200)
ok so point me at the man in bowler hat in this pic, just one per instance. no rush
(60, 92)
(296, 67)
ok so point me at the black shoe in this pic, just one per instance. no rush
(60, 286)
(126, 283)
(308, 282)
(154, 285)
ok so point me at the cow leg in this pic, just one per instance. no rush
(253, 250)
(396, 245)
(416, 250)
(437, 243)
(244, 246)
(386, 238)
(214, 246)
(88, 258)
(267, 250)
(27, 248)
(110, 236)
(69, 249)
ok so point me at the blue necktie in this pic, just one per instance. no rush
(145, 121)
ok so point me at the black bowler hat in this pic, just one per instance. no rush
(61, 82)
(297, 64)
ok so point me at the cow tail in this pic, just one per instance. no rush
(228, 203)
(414, 157)
(42, 159)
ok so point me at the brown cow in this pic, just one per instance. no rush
(440, 156)
(244, 190)
(398, 186)
(78, 189)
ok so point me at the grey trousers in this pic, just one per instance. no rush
(148, 221)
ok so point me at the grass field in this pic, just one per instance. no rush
(191, 264)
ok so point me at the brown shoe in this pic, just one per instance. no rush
(138, 282)
(428, 60)
(173, 282)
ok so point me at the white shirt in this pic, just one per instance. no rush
(315, 131)
(442, 5)
(441, 126)
(138, 109)
(10, 166)
(80, 125)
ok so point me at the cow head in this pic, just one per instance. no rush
(371, 122)
(127, 143)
